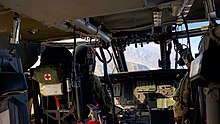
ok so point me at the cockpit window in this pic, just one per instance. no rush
(142, 58)
(99, 70)
(147, 57)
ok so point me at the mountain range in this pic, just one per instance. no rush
(141, 58)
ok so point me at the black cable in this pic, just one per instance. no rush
(101, 60)
(109, 55)
(74, 51)
(175, 42)
(187, 34)
(108, 82)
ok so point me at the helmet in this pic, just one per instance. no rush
(85, 57)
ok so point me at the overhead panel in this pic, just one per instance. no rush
(59, 10)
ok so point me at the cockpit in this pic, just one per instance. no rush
(109, 62)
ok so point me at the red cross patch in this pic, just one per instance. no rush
(47, 77)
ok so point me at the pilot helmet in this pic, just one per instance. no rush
(85, 57)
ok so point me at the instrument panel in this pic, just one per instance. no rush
(133, 88)
(146, 96)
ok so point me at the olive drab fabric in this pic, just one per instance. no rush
(48, 74)
(182, 98)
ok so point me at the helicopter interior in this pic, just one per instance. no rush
(29, 27)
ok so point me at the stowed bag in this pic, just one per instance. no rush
(204, 69)
(50, 79)
(48, 74)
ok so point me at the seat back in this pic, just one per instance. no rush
(12, 83)
(54, 68)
